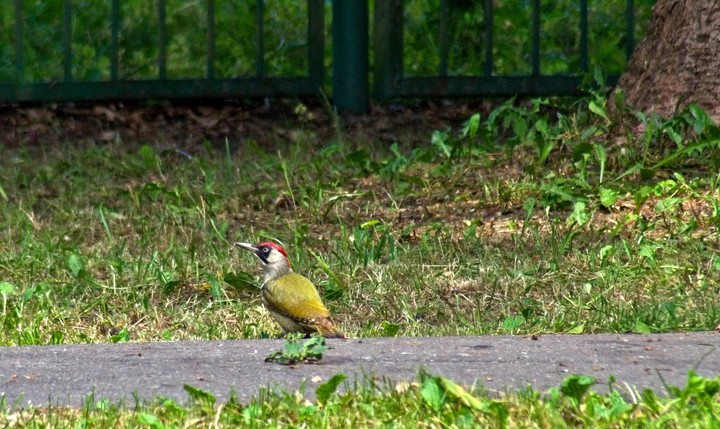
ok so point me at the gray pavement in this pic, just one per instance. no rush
(66, 374)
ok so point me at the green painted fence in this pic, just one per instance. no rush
(68, 87)
(391, 81)
(97, 50)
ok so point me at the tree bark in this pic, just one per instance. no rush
(678, 62)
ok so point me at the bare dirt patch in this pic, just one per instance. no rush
(187, 126)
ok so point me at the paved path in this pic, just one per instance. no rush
(66, 374)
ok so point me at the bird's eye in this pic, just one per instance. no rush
(266, 250)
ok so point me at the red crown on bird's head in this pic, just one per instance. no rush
(275, 246)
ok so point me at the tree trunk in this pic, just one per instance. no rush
(678, 62)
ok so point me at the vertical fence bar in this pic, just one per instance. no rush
(489, 25)
(535, 54)
(211, 39)
(584, 35)
(115, 40)
(163, 37)
(67, 40)
(629, 28)
(260, 38)
(19, 50)
(350, 55)
(388, 47)
(443, 39)
(316, 41)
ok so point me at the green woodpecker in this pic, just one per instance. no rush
(289, 297)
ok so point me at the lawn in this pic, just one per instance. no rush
(546, 216)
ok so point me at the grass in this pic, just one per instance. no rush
(431, 401)
(464, 236)
(548, 216)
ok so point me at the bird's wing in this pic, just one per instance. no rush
(298, 301)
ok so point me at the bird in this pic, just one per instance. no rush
(291, 298)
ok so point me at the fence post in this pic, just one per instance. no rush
(350, 55)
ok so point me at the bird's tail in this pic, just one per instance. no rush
(327, 329)
(330, 332)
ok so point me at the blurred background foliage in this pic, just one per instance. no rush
(284, 37)
(559, 36)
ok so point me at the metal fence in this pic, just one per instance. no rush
(161, 87)
(351, 73)
(390, 81)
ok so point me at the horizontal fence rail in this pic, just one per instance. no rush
(68, 88)
(121, 76)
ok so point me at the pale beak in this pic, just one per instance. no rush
(247, 246)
